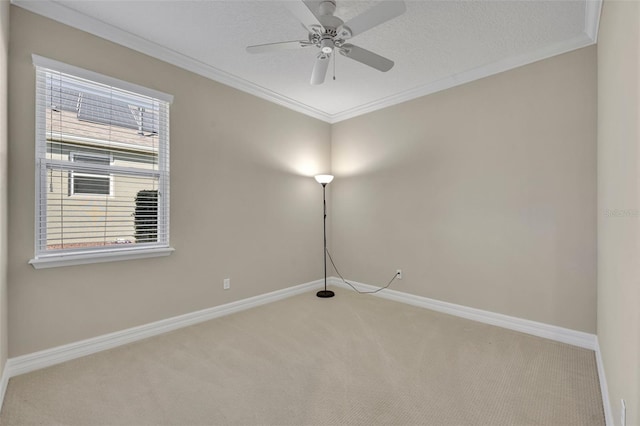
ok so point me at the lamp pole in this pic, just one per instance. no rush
(324, 180)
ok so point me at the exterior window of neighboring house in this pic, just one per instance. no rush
(90, 184)
(102, 168)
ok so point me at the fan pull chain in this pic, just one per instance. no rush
(334, 66)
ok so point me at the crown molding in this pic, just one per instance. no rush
(58, 12)
(467, 76)
(592, 11)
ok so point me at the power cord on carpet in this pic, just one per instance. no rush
(352, 286)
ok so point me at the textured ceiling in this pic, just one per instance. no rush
(435, 44)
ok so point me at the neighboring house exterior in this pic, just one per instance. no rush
(93, 177)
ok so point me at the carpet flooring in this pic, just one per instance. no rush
(350, 360)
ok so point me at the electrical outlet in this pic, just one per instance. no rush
(399, 274)
(623, 413)
(226, 284)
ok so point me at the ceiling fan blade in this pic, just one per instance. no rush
(273, 47)
(382, 12)
(300, 10)
(366, 57)
(320, 69)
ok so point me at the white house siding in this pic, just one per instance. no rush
(84, 218)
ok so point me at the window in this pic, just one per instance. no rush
(90, 184)
(102, 168)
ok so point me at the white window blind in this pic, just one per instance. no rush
(102, 164)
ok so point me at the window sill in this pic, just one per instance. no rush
(86, 258)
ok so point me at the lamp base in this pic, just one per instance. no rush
(325, 293)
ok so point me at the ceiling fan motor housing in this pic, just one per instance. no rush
(328, 39)
(327, 7)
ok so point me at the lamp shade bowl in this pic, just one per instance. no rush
(324, 179)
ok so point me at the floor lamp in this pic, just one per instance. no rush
(324, 180)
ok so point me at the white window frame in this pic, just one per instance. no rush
(73, 174)
(44, 259)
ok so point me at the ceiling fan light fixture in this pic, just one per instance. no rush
(326, 45)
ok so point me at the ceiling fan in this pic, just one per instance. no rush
(329, 33)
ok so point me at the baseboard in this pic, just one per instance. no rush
(4, 382)
(37, 360)
(48, 357)
(552, 332)
(604, 389)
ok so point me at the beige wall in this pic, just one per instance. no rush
(619, 203)
(484, 194)
(242, 202)
(4, 46)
